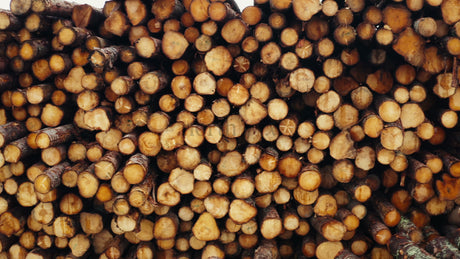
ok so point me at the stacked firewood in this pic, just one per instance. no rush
(186, 128)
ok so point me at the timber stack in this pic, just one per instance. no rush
(191, 129)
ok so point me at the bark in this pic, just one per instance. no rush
(401, 246)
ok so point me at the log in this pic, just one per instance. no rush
(316, 117)
(11, 131)
(439, 245)
(402, 246)
(387, 212)
(379, 232)
(73, 35)
(50, 179)
(17, 150)
(451, 232)
(104, 57)
(85, 15)
(329, 228)
(136, 168)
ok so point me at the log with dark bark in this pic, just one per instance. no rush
(401, 246)
(316, 118)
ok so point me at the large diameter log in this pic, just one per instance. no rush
(439, 245)
(267, 249)
(11, 131)
(409, 37)
(401, 246)
(85, 15)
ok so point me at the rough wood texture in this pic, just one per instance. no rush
(186, 129)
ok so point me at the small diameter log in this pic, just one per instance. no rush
(451, 163)
(420, 172)
(139, 193)
(309, 178)
(115, 247)
(108, 165)
(41, 69)
(408, 228)
(147, 47)
(8, 21)
(73, 36)
(117, 23)
(34, 49)
(342, 146)
(167, 195)
(54, 136)
(431, 160)
(153, 82)
(168, 9)
(350, 220)
(379, 231)
(6, 82)
(87, 182)
(137, 69)
(51, 178)
(181, 180)
(438, 245)
(331, 229)
(104, 57)
(54, 155)
(37, 23)
(326, 205)
(17, 150)
(359, 190)
(40, 93)
(346, 254)
(57, 8)
(271, 223)
(136, 168)
(401, 246)
(92, 81)
(387, 212)
(401, 199)
(122, 85)
(70, 175)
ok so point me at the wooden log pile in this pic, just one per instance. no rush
(189, 129)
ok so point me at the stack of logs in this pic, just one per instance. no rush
(186, 128)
